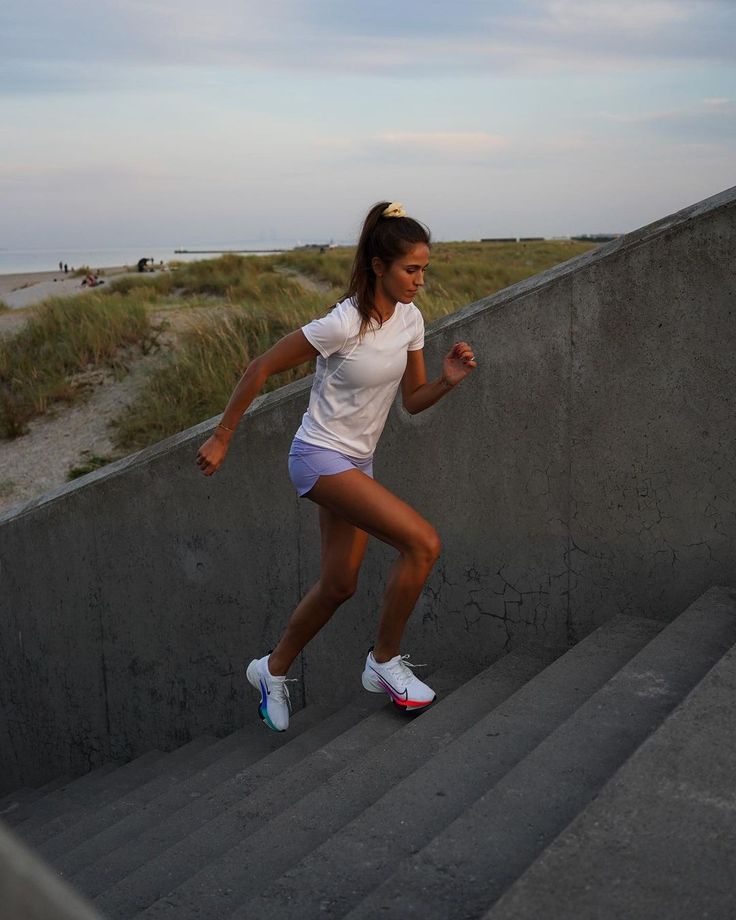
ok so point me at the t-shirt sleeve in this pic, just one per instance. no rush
(417, 341)
(329, 333)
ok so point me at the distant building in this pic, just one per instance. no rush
(596, 237)
(512, 239)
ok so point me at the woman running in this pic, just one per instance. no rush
(365, 346)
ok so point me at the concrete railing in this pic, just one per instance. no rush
(585, 469)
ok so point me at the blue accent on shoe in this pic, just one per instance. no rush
(268, 722)
(263, 709)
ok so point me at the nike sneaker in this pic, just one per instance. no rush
(395, 678)
(275, 705)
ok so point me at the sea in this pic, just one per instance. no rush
(20, 261)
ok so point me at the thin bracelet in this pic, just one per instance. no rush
(220, 425)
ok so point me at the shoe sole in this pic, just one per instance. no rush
(403, 705)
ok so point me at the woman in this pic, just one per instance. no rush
(365, 346)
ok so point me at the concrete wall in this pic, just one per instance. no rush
(586, 468)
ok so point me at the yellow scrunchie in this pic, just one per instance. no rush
(395, 209)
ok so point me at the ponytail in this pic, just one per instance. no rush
(387, 234)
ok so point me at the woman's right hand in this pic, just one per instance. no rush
(212, 453)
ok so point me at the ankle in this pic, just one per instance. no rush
(275, 668)
(380, 656)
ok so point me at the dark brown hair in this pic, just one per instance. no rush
(388, 238)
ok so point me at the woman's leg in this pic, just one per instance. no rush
(358, 500)
(343, 548)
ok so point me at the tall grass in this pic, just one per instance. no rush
(66, 336)
(259, 304)
(197, 380)
(331, 267)
(230, 279)
(459, 273)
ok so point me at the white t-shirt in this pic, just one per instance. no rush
(356, 380)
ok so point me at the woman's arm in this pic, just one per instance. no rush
(418, 395)
(290, 351)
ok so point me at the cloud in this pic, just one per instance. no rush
(712, 118)
(459, 145)
(79, 43)
(624, 16)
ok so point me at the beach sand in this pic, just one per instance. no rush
(29, 288)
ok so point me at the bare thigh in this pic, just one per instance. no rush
(343, 549)
(366, 504)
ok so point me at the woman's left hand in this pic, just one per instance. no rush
(458, 363)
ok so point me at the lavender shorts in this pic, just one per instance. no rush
(307, 463)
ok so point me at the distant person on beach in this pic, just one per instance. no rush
(61, 266)
(365, 346)
(66, 268)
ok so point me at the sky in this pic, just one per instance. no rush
(152, 122)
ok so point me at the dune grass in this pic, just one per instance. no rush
(331, 267)
(65, 336)
(197, 379)
(257, 301)
(459, 273)
(196, 382)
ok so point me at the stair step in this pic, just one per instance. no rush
(251, 803)
(469, 865)
(129, 843)
(84, 792)
(658, 840)
(122, 782)
(344, 869)
(177, 767)
(12, 802)
(15, 813)
(282, 838)
(45, 793)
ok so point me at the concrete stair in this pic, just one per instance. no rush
(598, 784)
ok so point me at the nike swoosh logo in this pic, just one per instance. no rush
(264, 690)
(392, 690)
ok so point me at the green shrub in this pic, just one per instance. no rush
(87, 464)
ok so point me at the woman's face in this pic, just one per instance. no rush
(401, 280)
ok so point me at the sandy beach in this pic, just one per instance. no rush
(29, 288)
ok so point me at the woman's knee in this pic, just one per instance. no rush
(337, 590)
(427, 546)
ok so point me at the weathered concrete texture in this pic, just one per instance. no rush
(586, 468)
(658, 840)
(31, 891)
(126, 612)
(652, 434)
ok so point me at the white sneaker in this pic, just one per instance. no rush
(275, 705)
(394, 678)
